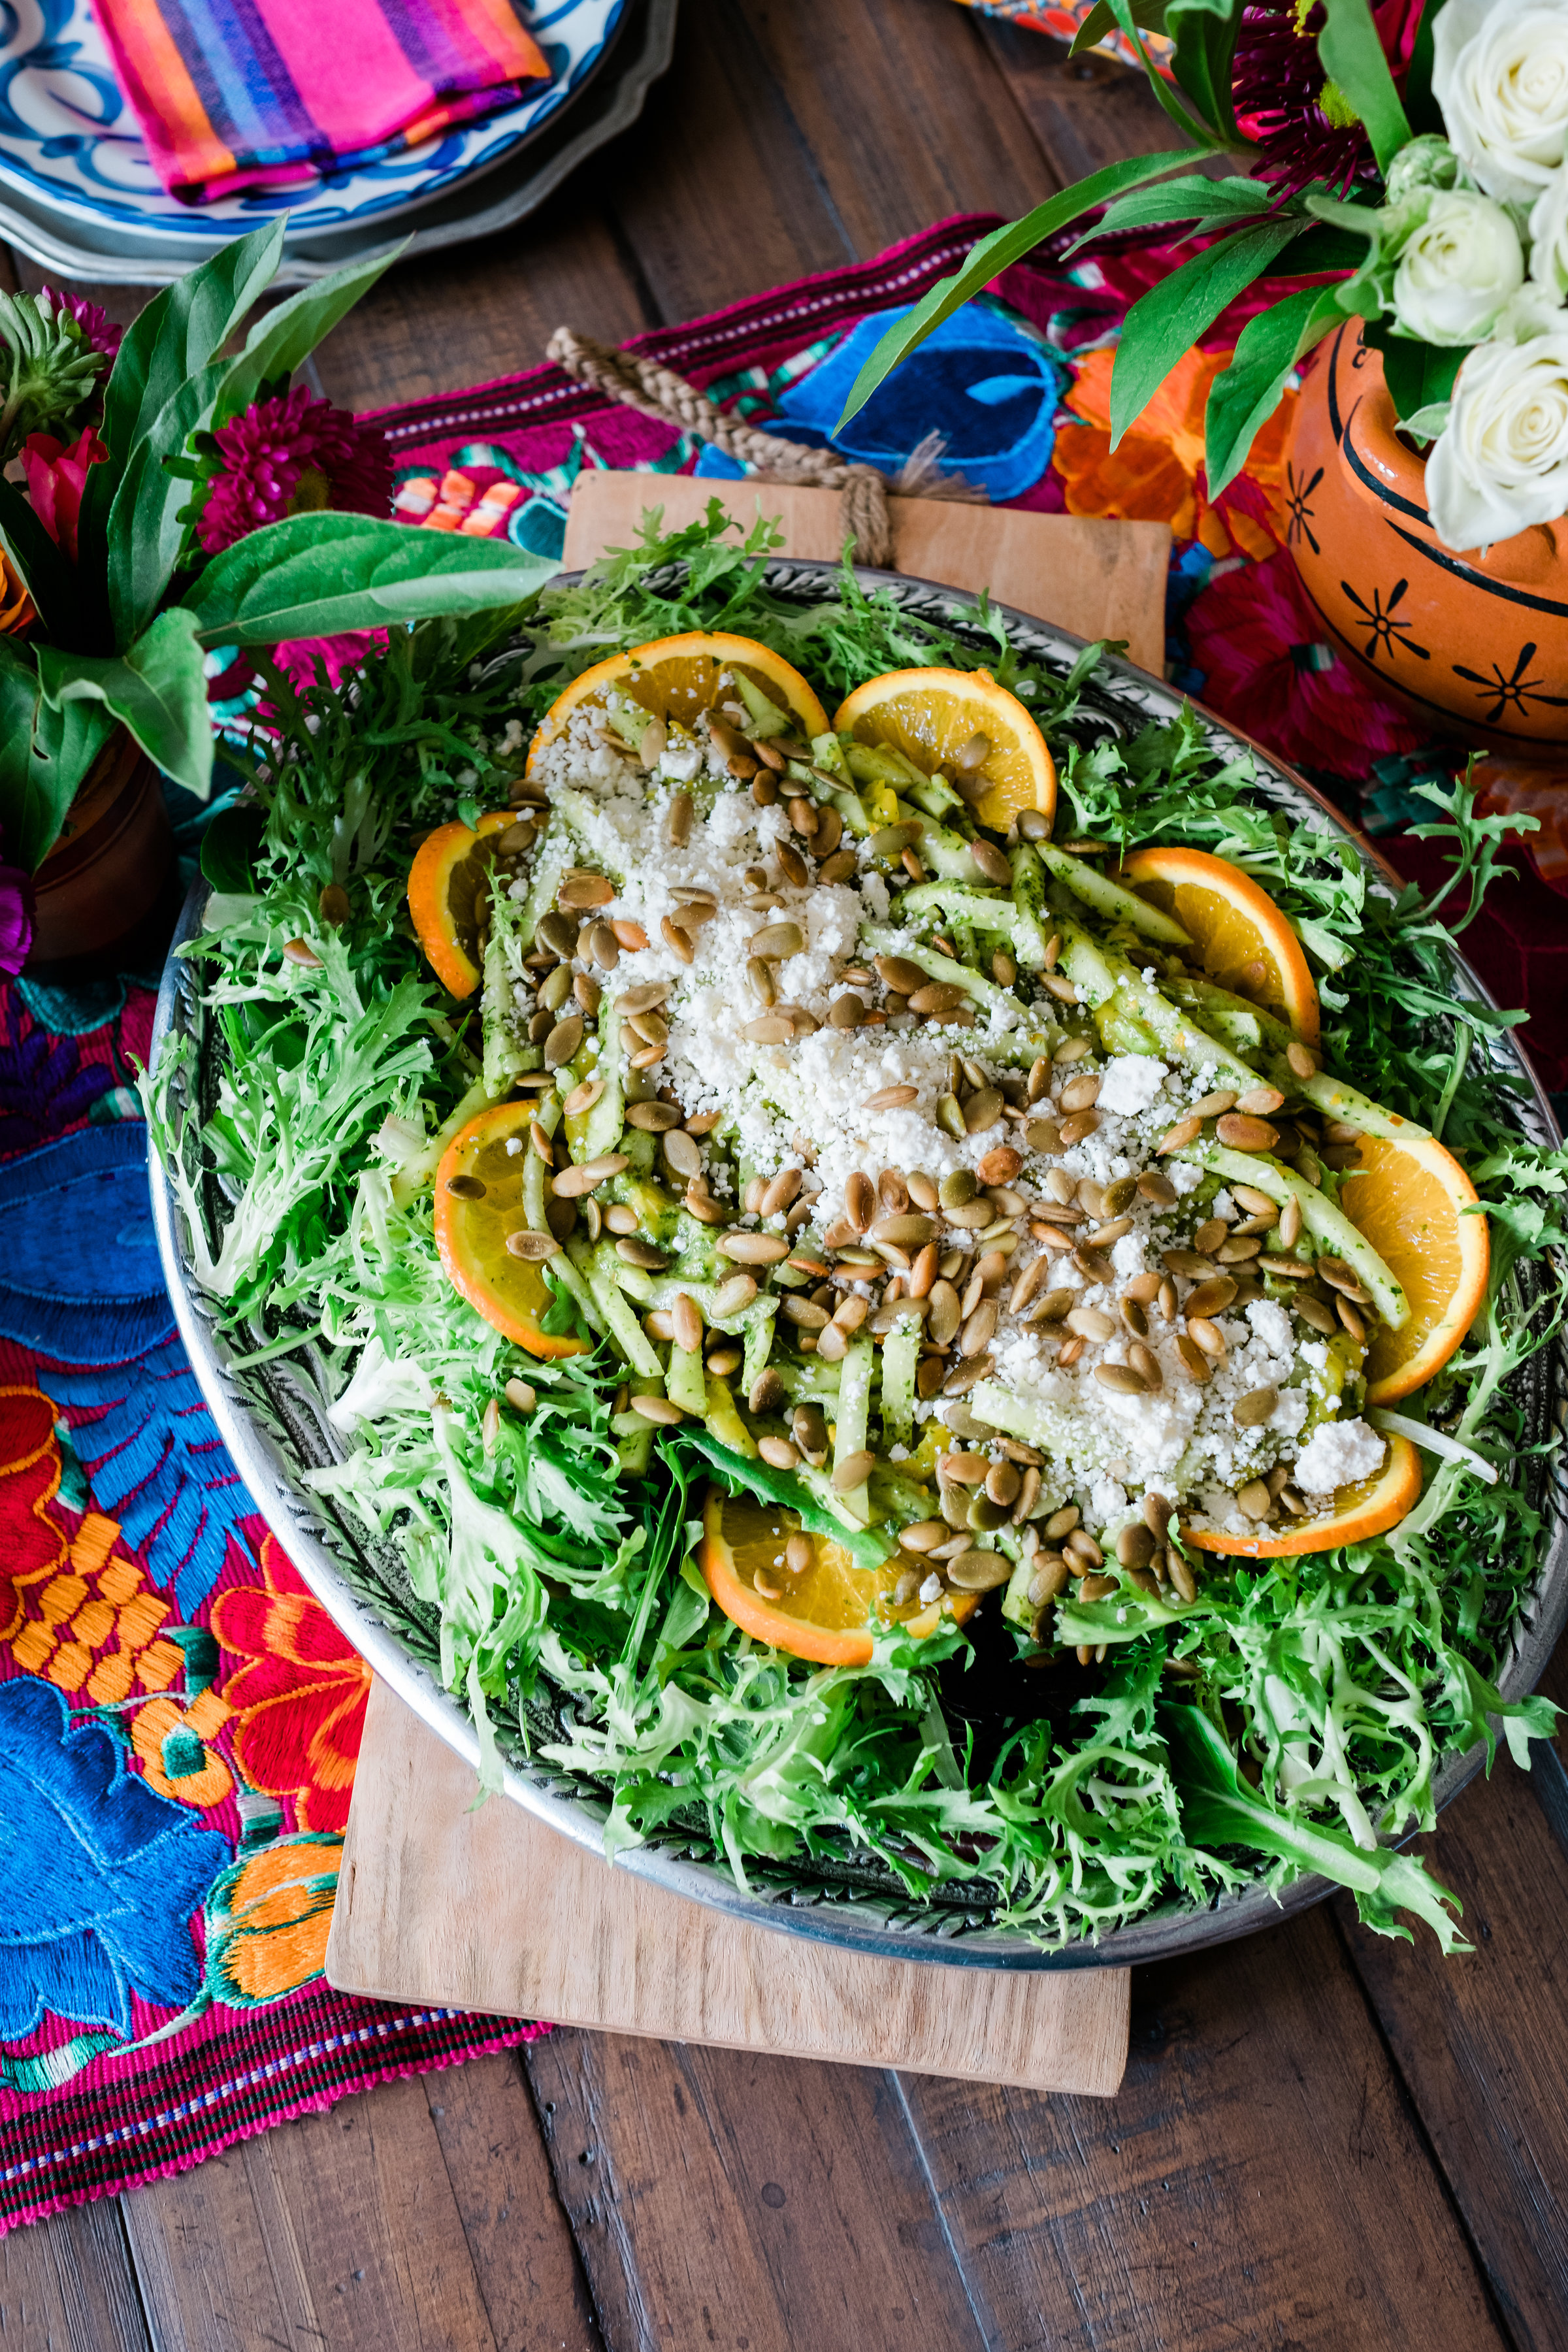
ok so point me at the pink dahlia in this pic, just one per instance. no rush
(99, 330)
(290, 456)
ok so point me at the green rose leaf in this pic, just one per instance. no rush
(1163, 325)
(315, 576)
(45, 756)
(1248, 390)
(158, 689)
(994, 254)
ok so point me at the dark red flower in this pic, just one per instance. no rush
(290, 456)
(55, 477)
(1277, 83)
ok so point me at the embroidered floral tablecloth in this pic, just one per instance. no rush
(179, 1718)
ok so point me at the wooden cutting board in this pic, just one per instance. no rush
(484, 1908)
(1098, 579)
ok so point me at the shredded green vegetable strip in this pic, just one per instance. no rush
(1288, 1720)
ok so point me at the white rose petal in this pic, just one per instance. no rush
(1549, 236)
(1502, 462)
(1458, 270)
(1500, 74)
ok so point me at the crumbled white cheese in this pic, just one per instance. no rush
(1340, 1453)
(1130, 1083)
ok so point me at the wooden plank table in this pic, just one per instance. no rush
(1325, 2142)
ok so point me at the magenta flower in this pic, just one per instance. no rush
(302, 660)
(99, 330)
(15, 918)
(55, 477)
(1262, 646)
(291, 456)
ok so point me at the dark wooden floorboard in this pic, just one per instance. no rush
(1257, 2181)
(68, 2285)
(524, 2256)
(1084, 113)
(1482, 2042)
(717, 2196)
(340, 2229)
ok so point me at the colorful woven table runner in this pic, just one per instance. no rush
(179, 1718)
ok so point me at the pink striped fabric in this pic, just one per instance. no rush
(273, 93)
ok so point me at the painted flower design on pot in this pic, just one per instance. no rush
(300, 1697)
(101, 1875)
(267, 1919)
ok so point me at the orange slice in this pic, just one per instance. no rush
(675, 677)
(443, 888)
(1245, 941)
(1369, 1508)
(932, 716)
(510, 1292)
(1408, 1199)
(826, 1613)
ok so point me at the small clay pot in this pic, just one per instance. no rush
(105, 875)
(1473, 646)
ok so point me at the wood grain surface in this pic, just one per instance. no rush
(1098, 579)
(1325, 2142)
(468, 1907)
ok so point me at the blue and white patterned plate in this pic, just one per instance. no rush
(69, 140)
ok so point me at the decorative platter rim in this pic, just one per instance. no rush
(69, 139)
(271, 1415)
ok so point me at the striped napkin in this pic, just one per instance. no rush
(234, 94)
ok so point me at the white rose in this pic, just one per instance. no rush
(1549, 236)
(1458, 270)
(1500, 73)
(1501, 462)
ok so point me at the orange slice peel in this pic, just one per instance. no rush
(444, 880)
(511, 1293)
(1243, 941)
(932, 716)
(827, 1613)
(1418, 1209)
(1367, 1509)
(679, 678)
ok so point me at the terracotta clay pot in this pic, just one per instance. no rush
(102, 881)
(1474, 647)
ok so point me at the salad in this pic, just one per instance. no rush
(916, 1287)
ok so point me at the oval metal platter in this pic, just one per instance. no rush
(273, 1417)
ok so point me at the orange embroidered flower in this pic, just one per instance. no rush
(267, 1920)
(1156, 472)
(298, 1701)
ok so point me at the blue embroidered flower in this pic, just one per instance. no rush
(99, 1876)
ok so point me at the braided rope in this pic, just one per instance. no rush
(658, 392)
